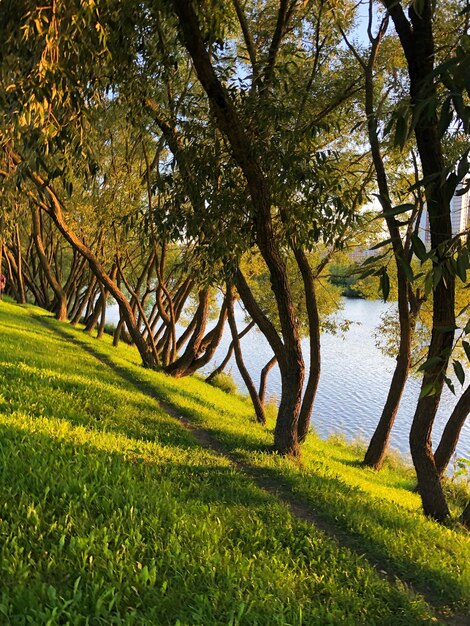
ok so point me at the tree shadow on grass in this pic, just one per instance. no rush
(73, 501)
(343, 507)
(361, 523)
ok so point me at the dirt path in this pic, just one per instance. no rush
(282, 492)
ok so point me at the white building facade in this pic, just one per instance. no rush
(460, 216)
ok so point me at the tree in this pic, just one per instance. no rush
(417, 39)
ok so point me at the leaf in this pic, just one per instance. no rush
(450, 384)
(451, 185)
(463, 166)
(406, 268)
(419, 248)
(401, 132)
(461, 267)
(427, 390)
(385, 285)
(374, 259)
(398, 210)
(434, 360)
(381, 244)
(466, 347)
(446, 116)
(459, 372)
(436, 276)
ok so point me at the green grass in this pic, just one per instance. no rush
(111, 513)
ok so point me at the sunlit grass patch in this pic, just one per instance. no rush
(112, 514)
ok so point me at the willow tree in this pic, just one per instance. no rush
(417, 38)
(287, 196)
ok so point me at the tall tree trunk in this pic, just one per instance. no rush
(239, 360)
(451, 433)
(380, 439)
(289, 386)
(291, 362)
(417, 40)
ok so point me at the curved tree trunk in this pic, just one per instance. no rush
(417, 40)
(12, 285)
(118, 331)
(220, 368)
(257, 405)
(77, 315)
(314, 340)
(290, 358)
(264, 377)
(179, 367)
(54, 210)
(451, 433)
(61, 307)
(201, 352)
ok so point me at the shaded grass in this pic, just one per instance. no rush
(112, 514)
(380, 511)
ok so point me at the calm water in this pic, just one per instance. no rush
(354, 380)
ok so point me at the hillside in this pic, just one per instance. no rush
(128, 497)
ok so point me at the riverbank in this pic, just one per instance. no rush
(354, 382)
(132, 498)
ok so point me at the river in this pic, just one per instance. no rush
(354, 382)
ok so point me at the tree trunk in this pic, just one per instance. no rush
(285, 434)
(261, 418)
(19, 264)
(380, 439)
(117, 332)
(418, 44)
(81, 307)
(102, 323)
(55, 212)
(290, 361)
(451, 433)
(92, 320)
(179, 367)
(314, 340)
(61, 307)
(200, 352)
(264, 377)
(219, 369)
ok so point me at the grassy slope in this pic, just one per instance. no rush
(110, 513)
